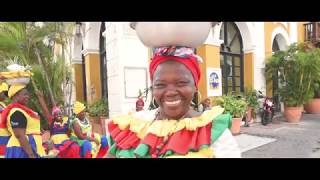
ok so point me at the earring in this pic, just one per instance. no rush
(198, 97)
(153, 104)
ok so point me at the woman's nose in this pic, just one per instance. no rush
(171, 90)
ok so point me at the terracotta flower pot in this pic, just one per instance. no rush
(313, 106)
(236, 124)
(96, 126)
(249, 114)
(103, 123)
(293, 114)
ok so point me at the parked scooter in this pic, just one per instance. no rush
(266, 109)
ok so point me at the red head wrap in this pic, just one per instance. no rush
(183, 55)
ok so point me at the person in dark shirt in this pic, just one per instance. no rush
(23, 124)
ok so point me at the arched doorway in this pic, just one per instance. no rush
(103, 63)
(231, 58)
(278, 44)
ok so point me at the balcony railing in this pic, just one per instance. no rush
(312, 33)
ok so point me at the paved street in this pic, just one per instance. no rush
(281, 139)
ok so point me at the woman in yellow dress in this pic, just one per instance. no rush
(4, 133)
(23, 124)
(92, 144)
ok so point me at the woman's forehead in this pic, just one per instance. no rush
(177, 69)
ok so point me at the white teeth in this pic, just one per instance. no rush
(173, 102)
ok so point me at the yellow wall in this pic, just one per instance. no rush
(268, 28)
(93, 78)
(210, 55)
(78, 74)
(248, 70)
(301, 31)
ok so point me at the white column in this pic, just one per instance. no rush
(293, 32)
(259, 56)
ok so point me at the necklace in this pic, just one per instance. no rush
(158, 113)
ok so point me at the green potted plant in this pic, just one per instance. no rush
(98, 112)
(236, 106)
(313, 106)
(296, 69)
(252, 101)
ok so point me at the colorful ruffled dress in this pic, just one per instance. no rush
(139, 135)
(33, 133)
(4, 133)
(62, 142)
(89, 149)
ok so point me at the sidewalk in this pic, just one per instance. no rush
(281, 139)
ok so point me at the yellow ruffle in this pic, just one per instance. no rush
(166, 127)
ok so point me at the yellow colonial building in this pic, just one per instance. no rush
(109, 61)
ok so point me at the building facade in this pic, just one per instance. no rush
(110, 62)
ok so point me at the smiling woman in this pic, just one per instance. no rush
(174, 129)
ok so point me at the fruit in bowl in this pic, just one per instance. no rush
(16, 77)
(160, 34)
(21, 80)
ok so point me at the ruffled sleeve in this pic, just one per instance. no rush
(224, 145)
(220, 124)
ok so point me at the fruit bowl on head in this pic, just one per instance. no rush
(161, 34)
(16, 77)
(20, 80)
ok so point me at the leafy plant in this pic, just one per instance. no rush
(235, 105)
(298, 70)
(251, 98)
(98, 108)
(27, 43)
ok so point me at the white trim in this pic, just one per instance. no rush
(85, 52)
(76, 61)
(283, 32)
(214, 42)
(247, 32)
(247, 51)
(285, 24)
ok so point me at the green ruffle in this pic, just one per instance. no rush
(142, 151)
(220, 124)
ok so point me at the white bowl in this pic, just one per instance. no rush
(21, 80)
(159, 34)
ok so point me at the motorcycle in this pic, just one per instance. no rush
(266, 109)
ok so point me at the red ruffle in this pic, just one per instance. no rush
(125, 139)
(5, 112)
(179, 142)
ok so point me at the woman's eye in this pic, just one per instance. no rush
(182, 83)
(159, 85)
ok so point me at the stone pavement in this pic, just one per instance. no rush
(281, 139)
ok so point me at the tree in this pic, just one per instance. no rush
(30, 43)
